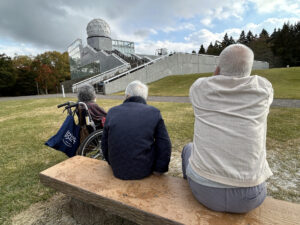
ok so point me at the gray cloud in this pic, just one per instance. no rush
(37, 22)
(55, 24)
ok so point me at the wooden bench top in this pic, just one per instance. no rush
(153, 200)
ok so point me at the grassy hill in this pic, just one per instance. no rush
(285, 81)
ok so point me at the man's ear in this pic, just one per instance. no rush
(217, 71)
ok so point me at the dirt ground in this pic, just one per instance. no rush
(54, 211)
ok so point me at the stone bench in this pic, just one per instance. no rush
(153, 200)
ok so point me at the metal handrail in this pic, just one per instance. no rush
(119, 58)
(134, 69)
(119, 75)
(135, 55)
(91, 48)
(104, 52)
(99, 75)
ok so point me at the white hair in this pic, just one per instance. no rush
(137, 88)
(236, 60)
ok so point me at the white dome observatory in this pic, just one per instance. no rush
(98, 32)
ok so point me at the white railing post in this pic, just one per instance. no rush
(63, 91)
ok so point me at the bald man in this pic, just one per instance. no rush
(226, 164)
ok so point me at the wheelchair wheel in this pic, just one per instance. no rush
(91, 147)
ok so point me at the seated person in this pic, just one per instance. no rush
(226, 164)
(87, 95)
(135, 141)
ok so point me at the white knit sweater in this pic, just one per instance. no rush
(229, 144)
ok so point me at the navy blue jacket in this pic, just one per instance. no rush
(135, 141)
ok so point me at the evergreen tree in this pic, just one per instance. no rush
(25, 83)
(262, 50)
(7, 75)
(193, 52)
(249, 37)
(231, 41)
(225, 42)
(283, 45)
(264, 34)
(201, 50)
(296, 52)
(217, 48)
(242, 39)
(210, 49)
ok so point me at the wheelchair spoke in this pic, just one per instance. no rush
(91, 147)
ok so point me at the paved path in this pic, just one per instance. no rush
(289, 103)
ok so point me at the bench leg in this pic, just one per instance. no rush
(88, 214)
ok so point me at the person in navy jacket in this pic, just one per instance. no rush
(135, 141)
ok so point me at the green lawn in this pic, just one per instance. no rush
(285, 81)
(26, 124)
(177, 85)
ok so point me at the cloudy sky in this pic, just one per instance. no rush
(33, 26)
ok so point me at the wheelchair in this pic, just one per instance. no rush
(90, 133)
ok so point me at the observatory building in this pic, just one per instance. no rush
(101, 52)
(110, 65)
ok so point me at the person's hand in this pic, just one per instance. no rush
(157, 173)
(217, 71)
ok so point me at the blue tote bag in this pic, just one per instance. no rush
(67, 138)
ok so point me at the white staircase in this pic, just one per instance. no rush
(102, 76)
(113, 74)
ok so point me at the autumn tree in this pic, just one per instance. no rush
(22, 61)
(56, 68)
(44, 75)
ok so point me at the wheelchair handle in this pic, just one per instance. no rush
(66, 103)
(61, 105)
(71, 105)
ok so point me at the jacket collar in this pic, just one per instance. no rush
(137, 99)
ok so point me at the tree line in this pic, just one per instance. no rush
(281, 48)
(25, 75)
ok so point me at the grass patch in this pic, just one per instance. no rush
(285, 81)
(26, 124)
(177, 85)
(284, 124)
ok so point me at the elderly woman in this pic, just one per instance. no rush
(87, 95)
(135, 141)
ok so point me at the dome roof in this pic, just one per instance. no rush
(98, 27)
